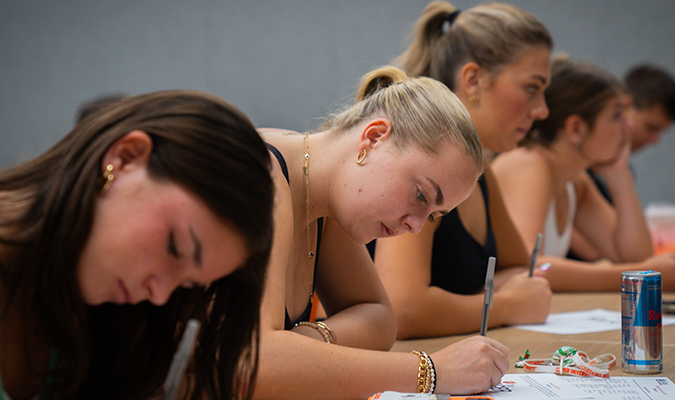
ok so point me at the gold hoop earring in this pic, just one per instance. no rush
(473, 97)
(360, 157)
(107, 177)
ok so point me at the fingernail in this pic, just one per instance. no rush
(545, 266)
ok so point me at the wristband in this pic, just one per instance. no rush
(426, 373)
(327, 333)
(568, 361)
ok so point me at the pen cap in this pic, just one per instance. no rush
(490, 276)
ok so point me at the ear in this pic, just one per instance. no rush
(130, 151)
(470, 77)
(575, 129)
(377, 130)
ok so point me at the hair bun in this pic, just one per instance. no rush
(379, 79)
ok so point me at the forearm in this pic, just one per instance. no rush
(295, 367)
(632, 238)
(365, 325)
(567, 275)
(437, 312)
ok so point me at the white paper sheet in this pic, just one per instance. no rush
(551, 386)
(533, 386)
(597, 320)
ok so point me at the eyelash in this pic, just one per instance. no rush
(420, 197)
(171, 246)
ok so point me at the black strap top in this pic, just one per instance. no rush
(458, 261)
(289, 324)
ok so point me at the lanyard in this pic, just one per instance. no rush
(568, 361)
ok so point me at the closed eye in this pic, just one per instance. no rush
(171, 246)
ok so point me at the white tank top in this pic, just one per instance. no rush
(555, 244)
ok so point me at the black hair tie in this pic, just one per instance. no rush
(450, 20)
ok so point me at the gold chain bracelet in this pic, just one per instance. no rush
(426, 373)
(327, 333)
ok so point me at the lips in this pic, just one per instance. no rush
(122, 296)
(386, 231)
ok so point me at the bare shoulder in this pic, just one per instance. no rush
(517, 158)
(521, 164)
(275, 136)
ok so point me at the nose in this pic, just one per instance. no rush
(161, 287)
(413, 223)
(540, 111)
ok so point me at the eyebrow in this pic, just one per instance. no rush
(197, 255)
(439, 192)
(541, 78)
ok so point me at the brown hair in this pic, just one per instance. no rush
(577, 88)
(422, 111)
(490, 34)
(110, 351)
(650, 85)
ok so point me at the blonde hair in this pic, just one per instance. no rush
(422, 112)
(490, 34)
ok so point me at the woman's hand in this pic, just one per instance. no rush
(471, 366)
(524, 300)
(665, 264)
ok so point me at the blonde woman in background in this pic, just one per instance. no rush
(496, 58)
(547, 189)
(405, 151)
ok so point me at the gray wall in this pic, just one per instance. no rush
(284, 63)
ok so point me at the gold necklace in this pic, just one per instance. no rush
(305, 170)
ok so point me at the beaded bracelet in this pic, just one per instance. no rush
(426, 374)
(327, 333)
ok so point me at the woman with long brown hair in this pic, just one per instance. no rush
(153, 210)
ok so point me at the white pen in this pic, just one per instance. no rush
(180, 360)
(535, 252)
(487, 299)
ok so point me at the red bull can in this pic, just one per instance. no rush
(641, 329)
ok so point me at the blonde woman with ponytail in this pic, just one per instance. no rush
(406, 151)
(496, 59)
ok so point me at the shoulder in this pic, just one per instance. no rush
(516, 159)
(583, 184)
(522, 165)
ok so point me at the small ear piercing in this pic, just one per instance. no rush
(107, 177)
(360, 157)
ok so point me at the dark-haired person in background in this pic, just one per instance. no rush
(650, 111)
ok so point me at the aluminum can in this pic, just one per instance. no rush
(641, 329)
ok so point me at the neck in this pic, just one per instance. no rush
(567, 161)
(326, 162)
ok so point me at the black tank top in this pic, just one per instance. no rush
(458, 261)
(289, 324)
